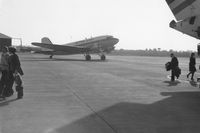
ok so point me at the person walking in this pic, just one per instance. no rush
(192, 68)
(4, 71)
(173, 65)
(14, 73)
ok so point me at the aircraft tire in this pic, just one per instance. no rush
(88, 57)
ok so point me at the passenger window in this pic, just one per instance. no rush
(192, 20)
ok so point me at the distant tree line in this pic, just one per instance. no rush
(123, 52)
(151, 52)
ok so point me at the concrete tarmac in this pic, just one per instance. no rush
(125, 94)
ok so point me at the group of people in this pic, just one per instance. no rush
(175, 70)
(11, 72)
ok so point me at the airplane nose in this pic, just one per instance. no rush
(172, 24)
(116, 40)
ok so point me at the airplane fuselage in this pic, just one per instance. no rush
(97, 43)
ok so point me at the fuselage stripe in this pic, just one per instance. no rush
(182, 6)
(169, 1)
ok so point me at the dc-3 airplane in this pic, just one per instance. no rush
(98, 45)
(187, 14)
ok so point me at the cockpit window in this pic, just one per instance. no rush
(192, 20)
(108, 37)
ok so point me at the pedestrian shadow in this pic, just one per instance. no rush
(177, 112)
(172, 83)
(6, 102)
(194, 83)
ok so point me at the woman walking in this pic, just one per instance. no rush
(192, 67)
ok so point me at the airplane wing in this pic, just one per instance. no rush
(183, 9)
(63, 48)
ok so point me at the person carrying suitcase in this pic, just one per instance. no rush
(15, 72)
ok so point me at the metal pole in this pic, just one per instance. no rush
(20, 39)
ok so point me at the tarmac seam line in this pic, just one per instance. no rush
(87, 105)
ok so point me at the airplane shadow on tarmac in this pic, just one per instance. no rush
(178, 112)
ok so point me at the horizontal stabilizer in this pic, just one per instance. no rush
(183, 9)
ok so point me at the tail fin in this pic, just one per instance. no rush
(46, 40)
(183, 9)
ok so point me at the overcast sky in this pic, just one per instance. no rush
(139, 24)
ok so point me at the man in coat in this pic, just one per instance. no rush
(14, 72)
(174, 65)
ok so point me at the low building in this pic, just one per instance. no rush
(5, 41)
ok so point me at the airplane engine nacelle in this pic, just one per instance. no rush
(109, 49)
(95, 46)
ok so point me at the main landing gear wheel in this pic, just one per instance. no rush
(103, 57)
(87, 57)
(51, 56)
